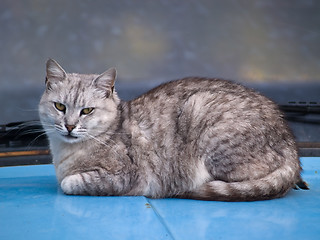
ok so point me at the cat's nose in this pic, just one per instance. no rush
(70, 127)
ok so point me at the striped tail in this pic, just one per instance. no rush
(274, 185)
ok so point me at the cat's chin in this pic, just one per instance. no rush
(70, 139)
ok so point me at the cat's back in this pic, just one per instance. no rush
(191, 107)
(203, 94)
(188, 86)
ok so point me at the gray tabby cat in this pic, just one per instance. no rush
(196, 138)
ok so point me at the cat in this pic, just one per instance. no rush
(198, 138)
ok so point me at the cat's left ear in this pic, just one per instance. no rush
(106, 80)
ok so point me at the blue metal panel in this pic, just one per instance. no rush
(33, 207)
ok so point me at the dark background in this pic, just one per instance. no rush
(269, 45)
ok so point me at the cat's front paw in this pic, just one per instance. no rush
(72, 184)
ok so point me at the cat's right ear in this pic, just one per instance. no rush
(54, 72)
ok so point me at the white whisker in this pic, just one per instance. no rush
(35, 139)
(103, 143)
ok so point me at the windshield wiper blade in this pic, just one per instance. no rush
(303, 112)
(23, 143)
(301, 107)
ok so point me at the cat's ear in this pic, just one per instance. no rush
(54, 72)
(105, 81)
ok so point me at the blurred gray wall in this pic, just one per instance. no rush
(154, 41)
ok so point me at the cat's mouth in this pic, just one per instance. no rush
(70, 137)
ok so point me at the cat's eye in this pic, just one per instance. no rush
(60, 107)
(86, 111)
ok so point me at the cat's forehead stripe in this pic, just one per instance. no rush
(74, 93)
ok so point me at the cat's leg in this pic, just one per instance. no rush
(73, 184)
(87, 183)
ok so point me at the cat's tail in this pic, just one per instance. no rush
(274, 185)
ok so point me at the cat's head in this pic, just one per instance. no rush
(77, 107)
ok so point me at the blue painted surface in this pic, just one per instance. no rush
(33, 207)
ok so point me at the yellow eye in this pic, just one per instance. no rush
(60, 106)
(86, 111)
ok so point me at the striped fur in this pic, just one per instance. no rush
(196, 138)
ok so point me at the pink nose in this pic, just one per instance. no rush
(70, 127)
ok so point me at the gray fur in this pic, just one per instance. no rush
(197, 138)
